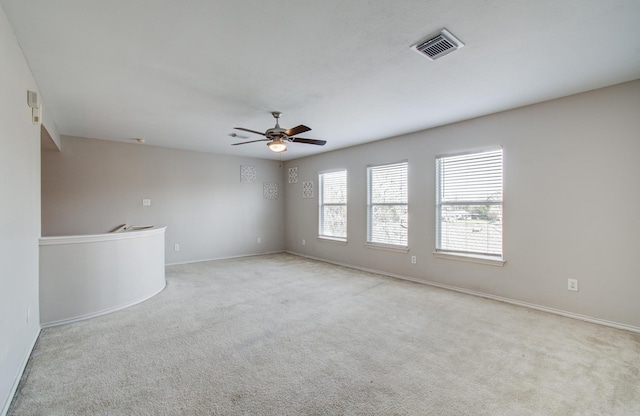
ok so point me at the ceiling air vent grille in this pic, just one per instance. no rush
(434, 47)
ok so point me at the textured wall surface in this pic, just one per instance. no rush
(94, 185)
(571, 182)
(19, 213)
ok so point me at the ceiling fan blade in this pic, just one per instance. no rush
(309, 141)
(252, 141)
(250, 131)
(297, 130)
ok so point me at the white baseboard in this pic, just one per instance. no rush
(542, 308)
(16, 382)
(103, 312)
(225, 258)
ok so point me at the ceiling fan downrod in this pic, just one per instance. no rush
(276, 115)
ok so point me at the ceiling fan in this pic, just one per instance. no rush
(277, 137)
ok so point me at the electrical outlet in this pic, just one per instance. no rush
(259, 240)
(176, 247)
(414, 260)
(146, 202)
(303, 242)
(572, 284)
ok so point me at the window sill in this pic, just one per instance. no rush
(332, 239)
(387, 247)
(480, 259)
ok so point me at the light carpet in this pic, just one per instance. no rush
(284, 335)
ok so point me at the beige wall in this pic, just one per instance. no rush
(94, 185)
(19, 214)
(571, 210)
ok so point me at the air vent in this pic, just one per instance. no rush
(434, 47)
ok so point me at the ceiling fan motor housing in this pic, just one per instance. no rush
(276, 133)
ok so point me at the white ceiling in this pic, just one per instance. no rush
(182, 74)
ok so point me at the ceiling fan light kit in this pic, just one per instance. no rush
(277, 137)
(277, 146)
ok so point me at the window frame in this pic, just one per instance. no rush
(322, 204)
(463, 255)
(371, 205)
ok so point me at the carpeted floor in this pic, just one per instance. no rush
(284, 335)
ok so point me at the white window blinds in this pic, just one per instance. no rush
(469, 203)
(387, 204)
(333, 205)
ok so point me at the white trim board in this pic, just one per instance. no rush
(100, 313)
(226, 258)
(554, 311)
(16, 382)
(95, 238)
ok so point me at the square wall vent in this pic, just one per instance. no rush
(437, 46)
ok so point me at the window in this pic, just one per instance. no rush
(387, 204)
(469, 204)
(333, 205)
